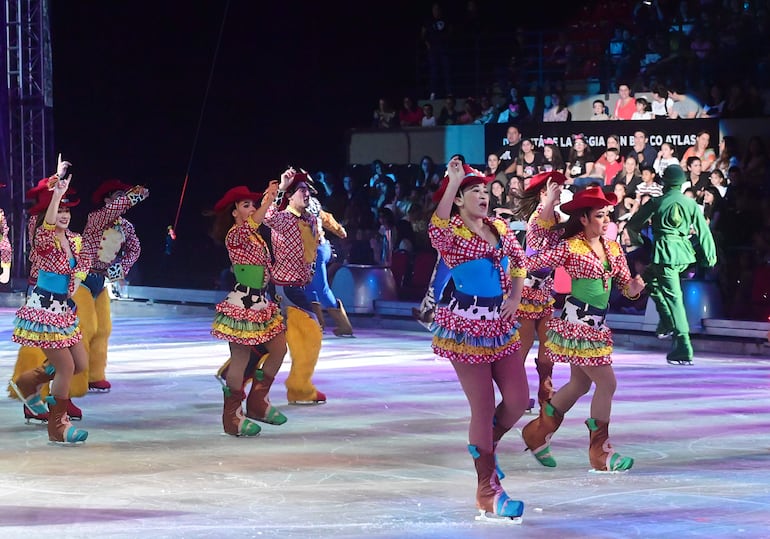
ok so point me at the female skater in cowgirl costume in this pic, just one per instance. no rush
(477, 332)
(580, 337)
(537, 300)
(247, 317)
(48, 319)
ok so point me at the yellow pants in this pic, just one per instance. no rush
(303, 335)
(94, 314)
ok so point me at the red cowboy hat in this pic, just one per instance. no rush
(590, 197)
(44, 199)
(107, 188)
(301, 177)
(538, 181)
(41, 186)
(235, 194)
(472, 177)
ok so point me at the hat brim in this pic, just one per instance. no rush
(108, 187)
(538, 181)
(589, 201)
(468, 181)
(234, 195)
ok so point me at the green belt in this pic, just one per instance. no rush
(250, 275)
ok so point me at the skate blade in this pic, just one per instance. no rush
(66, 444)
(306, 403)
(240, 436)
(608, 472)
(97, 390)
(484, 516)
(35, 421)
(220, 380)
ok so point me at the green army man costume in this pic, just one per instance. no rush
(675, 218)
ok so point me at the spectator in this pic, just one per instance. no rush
(516, 109)
(580, 163)
(700, 149)
(610, 166)
(529, 161)
(436, 35)
(428, 119)
(714, 103)
(728, 154)
(427, 173)
(696, 179)
(552, 158)
(642, 110)
(449, 114)
(384, 116)
(649, 186)
(378, 174)
(495, 170)
(644, 153)
(712, 207)
(383, 243)
(661, 102)
(410, 115)
(599, 111)
(497, 198)
(403, 199)
(719, 181)
(558, 111)
(488, 110)
(510, 150)
(630, 176)
(625, 106)
(613, 141)
(624, 209)
(665, 158)
(471, 112)
(684, 106)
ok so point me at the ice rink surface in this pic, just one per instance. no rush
(386, 457)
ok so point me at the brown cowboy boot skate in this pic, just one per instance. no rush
(233, 421)
(600, 452)
(60, 430)
(537, 433)
(491, 500)
(27, 388)
(258, 405)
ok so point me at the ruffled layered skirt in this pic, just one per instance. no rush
(579, 336)
(536, 298)
(471, 330)
(47, 320)
(248, 317)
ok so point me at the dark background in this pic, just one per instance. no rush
(130, 80)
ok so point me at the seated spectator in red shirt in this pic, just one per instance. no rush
(625, 106)
(609, 166)
(410, 115)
